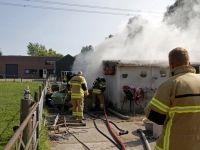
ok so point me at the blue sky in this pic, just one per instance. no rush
(67, 31)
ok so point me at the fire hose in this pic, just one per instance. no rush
(121, 131)
(109, 127)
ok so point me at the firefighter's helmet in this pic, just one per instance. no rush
(102, 79)
(98, 79)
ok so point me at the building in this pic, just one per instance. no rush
(147, 75)
(26, 66)
(63, 65)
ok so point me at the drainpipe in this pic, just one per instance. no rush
(118, 98)
(118, 114)
(152, 75)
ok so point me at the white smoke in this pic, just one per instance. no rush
(142, 39)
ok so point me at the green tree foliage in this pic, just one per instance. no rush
(1, 53)
(35, 49)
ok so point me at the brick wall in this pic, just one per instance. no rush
(27, 62)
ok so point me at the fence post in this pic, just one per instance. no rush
(42, 86)
(40, 90)
(36, 99)
(45, 82)
(25, 109)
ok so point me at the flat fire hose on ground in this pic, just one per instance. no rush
(111, 131)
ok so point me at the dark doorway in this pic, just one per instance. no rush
(197, 68)
(41, 73)
(11, 70)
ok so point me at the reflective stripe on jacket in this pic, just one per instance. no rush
(98, 87)
(176, 106)
(78, 87)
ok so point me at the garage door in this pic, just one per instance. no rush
(11, 70)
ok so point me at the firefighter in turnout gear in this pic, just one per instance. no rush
(69, 76)
(65, 79)
(78, 89)
(176, 105)
(99, 87)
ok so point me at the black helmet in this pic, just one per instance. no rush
(102, 79)
(98, 78)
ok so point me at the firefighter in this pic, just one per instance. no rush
(176, 105)
(69, 76)
(98, 89)
(78, 89)
(48, 97)
(65, 79)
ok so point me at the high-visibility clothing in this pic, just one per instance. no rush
(78, 106)
(64, 79)
(94, 97)
(78, 88)
(69, 76)
(176, 106)
(98, 88)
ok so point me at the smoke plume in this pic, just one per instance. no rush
(143, 39)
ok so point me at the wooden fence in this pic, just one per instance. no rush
(26, 137)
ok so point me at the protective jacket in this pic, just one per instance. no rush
(78, 87)
(69, 76)
(64, 79)
(176, 106)
(98, 86)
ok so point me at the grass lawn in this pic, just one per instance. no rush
(11, 94)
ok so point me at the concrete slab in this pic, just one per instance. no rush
(74, 137)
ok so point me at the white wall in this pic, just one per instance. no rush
(115, 83)
(112, 90)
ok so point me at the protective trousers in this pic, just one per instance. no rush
(94, 97)
(78, 106)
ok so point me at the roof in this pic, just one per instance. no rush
(19, 56)
(159, 63)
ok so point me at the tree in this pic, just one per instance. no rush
(1, 53)
(52, 52)
(35, 49)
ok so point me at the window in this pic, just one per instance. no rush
(30, 71)
(51, 71)
(50, 62)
